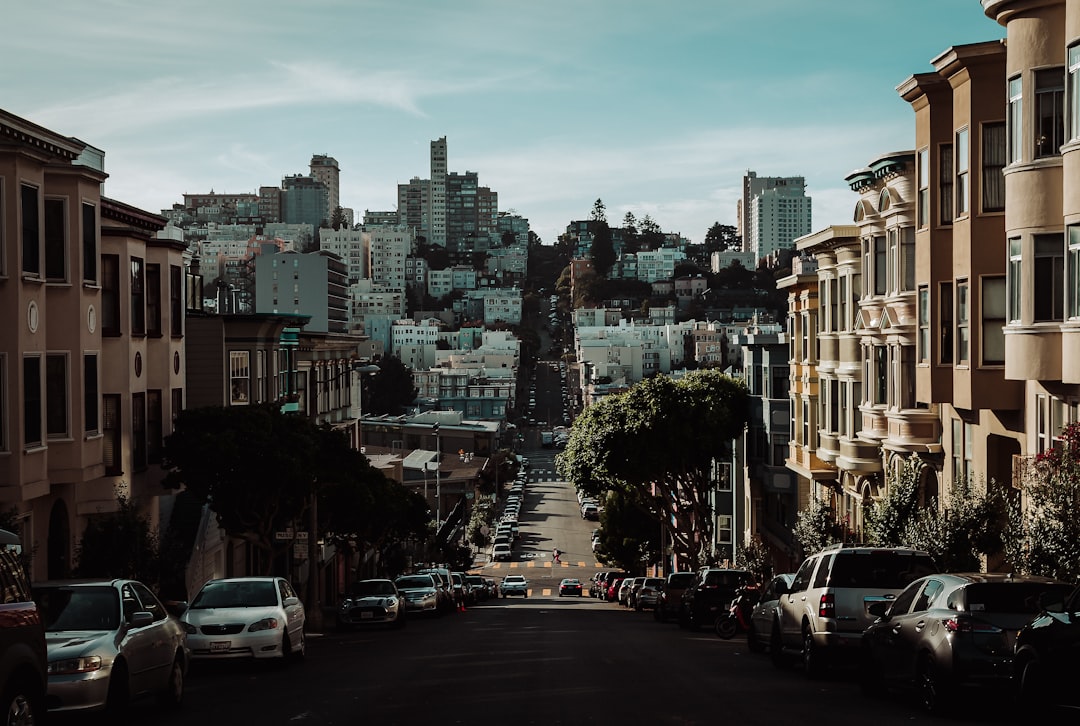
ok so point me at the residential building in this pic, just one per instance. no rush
(778, 214)
(325, 169)
(313, 285)
(303, 200)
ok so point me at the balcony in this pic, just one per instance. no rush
(859, 456)
(1033, 352)
(913, 431)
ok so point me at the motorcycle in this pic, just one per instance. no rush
(737, 618)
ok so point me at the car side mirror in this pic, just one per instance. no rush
(782, 589)
(878, 609)
(140, 619)
(290, 601)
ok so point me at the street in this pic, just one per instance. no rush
(536, 660)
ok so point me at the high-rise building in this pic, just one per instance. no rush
(303, 200)
(325, 169)
(437, 198)
(781, 216)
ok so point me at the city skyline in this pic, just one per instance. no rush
(654, 110)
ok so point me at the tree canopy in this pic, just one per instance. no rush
(659, 440)
(602, 251)
(390, 391)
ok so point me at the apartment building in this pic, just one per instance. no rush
(91, 360)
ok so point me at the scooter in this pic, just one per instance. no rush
(737, 618)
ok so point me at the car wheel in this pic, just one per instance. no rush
(726, 626)
(811, 658)
(776, 646)
(173, 693)
(22, 705)
(1030, 692)
(932, 695)
(753, 641)
(119, 696)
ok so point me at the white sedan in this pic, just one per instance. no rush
(514, 585)
(245, 617)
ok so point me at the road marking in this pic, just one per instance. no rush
(547, 591)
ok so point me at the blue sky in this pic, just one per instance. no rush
(656, 108)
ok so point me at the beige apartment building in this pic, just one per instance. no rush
(91, 348)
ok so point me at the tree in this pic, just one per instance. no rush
(650, 235)
(391, 390)
(815, 527)
(119, 544)
(629, 532)
(337, 219)
(254, 465)
(599, 212)
(661, 439)
(508, 239)
(1043, 531)
(722, 237)
(602, 250)
(630, 234)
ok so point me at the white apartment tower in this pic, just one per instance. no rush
(785, 208)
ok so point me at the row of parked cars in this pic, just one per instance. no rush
(507, 530)
(889, 613)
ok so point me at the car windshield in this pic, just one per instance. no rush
(1010, 597)
(415, 581)
(879, 569)
(514, 580)
(78, 608)
(653, 582)
(720, 578)
(371, 588)
(681, 579)
(242, 594)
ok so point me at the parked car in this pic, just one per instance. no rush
(514, 585)
(648, 595)
(710, 595)
(590, 511)
(623, 596)
(612, 594)
(445, 583)
(500, 552)
(764, 612)
(824, 612)
(948, 631)
(596, 587)
(1045, 668)
(371, 602)
(109, 641)
(23, 660)
(246, 617)
(479, 586)
(420, 592)
(570, 586)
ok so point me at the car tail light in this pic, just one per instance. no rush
(968, 625)
(827, 605)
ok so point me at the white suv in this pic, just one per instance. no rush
(823, 613)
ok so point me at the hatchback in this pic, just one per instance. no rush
(945, 632)
(371, 602)
(109, 641)
(245, 617)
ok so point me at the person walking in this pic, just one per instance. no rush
(555, 555)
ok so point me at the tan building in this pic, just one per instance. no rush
(91, 352)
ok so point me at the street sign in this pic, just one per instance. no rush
(302, 537)
(284, 535)
(300, 552)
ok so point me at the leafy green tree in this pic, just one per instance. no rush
(254, 465)
(602, 251)
(815, 527)
(1043, 531)
(631, 244)
(599, 212)
(337, 219)
(391, 390)
(660, 439)
(886, 520)
(650, 235)
(756, 558)
(119, 544)
(722, 237)
(629, 532)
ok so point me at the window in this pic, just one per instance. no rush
(880, 266)
(945, 183)
(880, 375)
(1016, 119)
(32, 400)
(992, 307)
(924, 187)
(90, 393)
(945, 317)
(154, 430)
(239, 377)
(110, 430)
(1072, 300)
(962, 319)
(153, 300)
(1049, 277)
(176, 300)
(1074, 92)
(89, 243)
(110, 295)
(924, 324)
(31, 232)
(55, 240)
(138, 297)
(957, 449)
(56, 395)
(808, 428)
(138, 431)
(993, 162)
(723, 528)
(962, 172)
(907, 259)
(1049, 111)
(1014, 278)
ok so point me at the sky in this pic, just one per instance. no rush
(657, 109)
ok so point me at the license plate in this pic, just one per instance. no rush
(366, 616)
(221, 646)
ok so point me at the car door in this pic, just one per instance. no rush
(761, 616)
(790, 606)
(294, 611)
(888, 637)
(145, 647)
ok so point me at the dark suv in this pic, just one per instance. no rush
(22, 640)
(710, 594)
(670, 600)
(824, 612)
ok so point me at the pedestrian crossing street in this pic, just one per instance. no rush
(532, 563)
